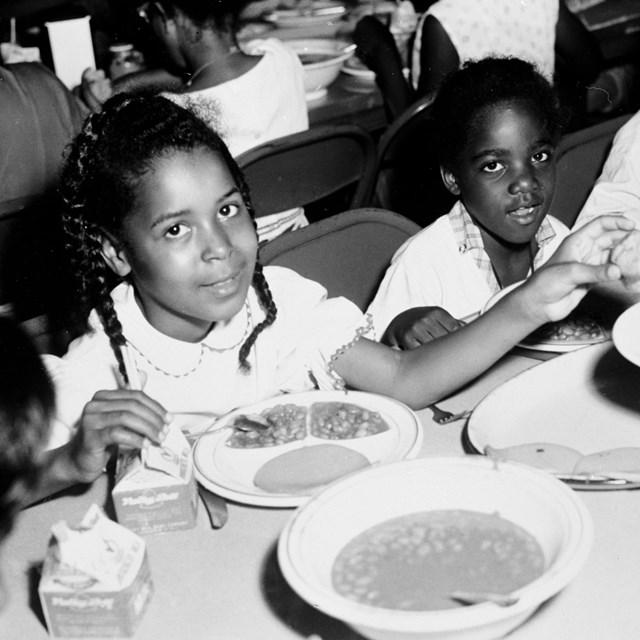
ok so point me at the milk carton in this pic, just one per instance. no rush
(95, 579)
(155, 489)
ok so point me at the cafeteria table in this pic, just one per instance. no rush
(225, 584)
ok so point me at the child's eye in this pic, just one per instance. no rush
(176, 231)
(542, 156)
(229, 210)
(492, 167)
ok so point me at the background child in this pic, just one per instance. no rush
(249, 94)
(496, 123)
(154, 198)
(26, 406)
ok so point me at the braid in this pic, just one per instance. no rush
(267, 303)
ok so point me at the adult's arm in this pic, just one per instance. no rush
(438, 56)
(577, 49)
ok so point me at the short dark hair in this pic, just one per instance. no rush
(465, 93)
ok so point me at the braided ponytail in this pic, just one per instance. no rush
(266, 301)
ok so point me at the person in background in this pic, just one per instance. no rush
(452, 32)
(496, 123)
(617, 189)
(250, 94)
(26, 408)
(155, 204)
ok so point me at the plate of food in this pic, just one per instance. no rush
(579, 329)
(307, 14)
(626, 334)
(279, 452)
(576, 417)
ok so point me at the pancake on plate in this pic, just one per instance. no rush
(302, 470)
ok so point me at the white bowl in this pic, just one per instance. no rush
(541, 504)
(318, 75)
(626, 334)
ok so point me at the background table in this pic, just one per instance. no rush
(226, 584)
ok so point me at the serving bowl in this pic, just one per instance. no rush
(322, 59)
(532, 499)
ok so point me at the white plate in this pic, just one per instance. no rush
(626, 334)
(554, 346)
(588, 400)
(322, 13)
(229, 472)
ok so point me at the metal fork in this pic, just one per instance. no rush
(444, 417)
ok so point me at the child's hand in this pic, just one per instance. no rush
(95, 87)
(414, 327)
(626, 256)
(118, 417)
(553, 291)
(592, 243)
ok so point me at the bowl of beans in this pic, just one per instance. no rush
(455, 547)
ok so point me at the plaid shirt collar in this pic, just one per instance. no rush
(468, 238)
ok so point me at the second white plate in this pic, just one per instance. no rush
(229, 472)
(587, 400)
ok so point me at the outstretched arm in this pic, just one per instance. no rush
(377, 48)
(436, 369)
(423, 375)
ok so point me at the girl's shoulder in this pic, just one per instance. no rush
(288, 286)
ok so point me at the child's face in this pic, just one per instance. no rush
(505, 176)
(190, 245)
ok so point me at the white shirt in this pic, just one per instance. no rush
(617, 190)
(265, 103)
(481, 28)
(293, 354)
(435, 267)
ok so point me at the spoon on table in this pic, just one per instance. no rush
(478, 597)
(251, 422)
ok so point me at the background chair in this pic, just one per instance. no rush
(581, 156)
(347, 253)
(406, 177)
(321, 169)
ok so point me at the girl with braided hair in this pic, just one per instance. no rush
(156, 205)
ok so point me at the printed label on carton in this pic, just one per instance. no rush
(157, 491)
(95, 580)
